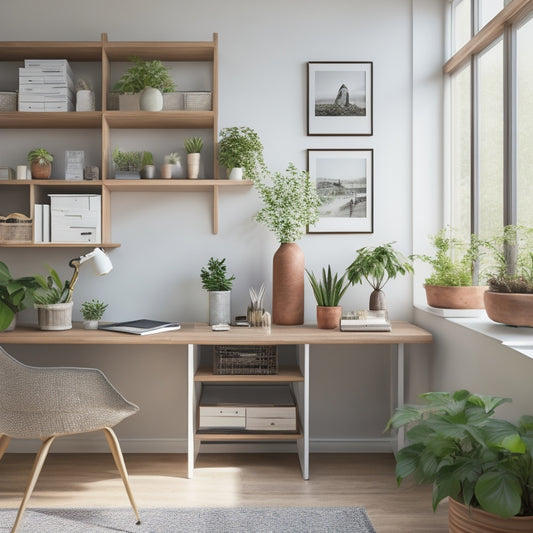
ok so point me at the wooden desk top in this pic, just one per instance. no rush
(200, 333)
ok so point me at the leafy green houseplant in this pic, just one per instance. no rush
(15, 295)
(145, 74)
(40, 161)
(147, 166)
(457, 444)
(126, 163)
(241, 147)
(193, 146)
(377, 266)
(92, 311)
(218, 283)
(53, 302)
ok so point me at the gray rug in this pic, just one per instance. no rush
(197, 520)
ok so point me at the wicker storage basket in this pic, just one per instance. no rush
(245, 360)
(197, 101)
(8, 101)
(16, 227)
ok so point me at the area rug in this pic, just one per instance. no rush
(196, 520)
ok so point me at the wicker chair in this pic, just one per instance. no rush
(45, 403)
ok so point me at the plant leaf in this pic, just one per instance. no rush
(499, 493)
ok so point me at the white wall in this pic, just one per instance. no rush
(166, 238)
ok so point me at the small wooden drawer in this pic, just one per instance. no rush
(271, 418)
(222, 417)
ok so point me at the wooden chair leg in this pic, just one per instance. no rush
(4, 442)
(119, 461)
(36, 470)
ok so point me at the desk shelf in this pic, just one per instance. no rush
(285, 375)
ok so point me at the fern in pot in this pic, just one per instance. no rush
(218, 283)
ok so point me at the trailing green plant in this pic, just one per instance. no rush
(93, 309)
(40, 156)
(456, 444)
(329, 289)
(147, 159)
(214, 276)
(145, 74)
(453, 260)
(241, 147)
(193, 145)
(378, 265)
(51, 289)
(15, 294)
(172, 158)
(127, 161)
(290, 203)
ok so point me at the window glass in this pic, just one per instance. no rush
(488, 9)
(462, 24)
(524, 115)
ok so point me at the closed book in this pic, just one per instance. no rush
(141, 327)
(38, 223)
(46, 222)
(366, 321)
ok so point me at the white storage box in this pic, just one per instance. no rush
(76, 217)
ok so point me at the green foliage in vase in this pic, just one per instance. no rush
(127, 161)
(329, 289)
(241, 147)
(172, 158)
(147, 159)
(145, 74)
(93, 309)
(214, 276)
(193, 145)
(52, 290)
(40, 156)
(290, 203)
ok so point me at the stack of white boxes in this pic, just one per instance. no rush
(76, 217)
(46, 85)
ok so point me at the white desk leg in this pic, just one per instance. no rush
(303, 408)
(191, 409)
(401, 392)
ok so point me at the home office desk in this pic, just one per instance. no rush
(194, 335)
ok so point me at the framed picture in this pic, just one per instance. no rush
(345, 183)
(339, 98)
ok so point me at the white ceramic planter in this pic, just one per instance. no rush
(54, 317)
(151, 99)
(84, 100)
(90, 324)
(219, 307)
(235, 174)
(193, 166)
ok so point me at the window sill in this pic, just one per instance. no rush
(519, 339)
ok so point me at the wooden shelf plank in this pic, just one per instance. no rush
(67, 119)
(163, 50)
(74, 50)
(247, 436)
(285, 374)
(162, 185)
(88, 245)
(160, 119)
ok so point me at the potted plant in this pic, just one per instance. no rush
(241, 152)
(127, 165)
(193, 146)
(53, 302)
(15, 295)
(92, 311)
(482, 464)
(451, 283)
(40, 161)
(218, 283)
(147, 166)
(328, 291)
(290, 203)
(172, 167)
(509, 298)
(149, 77)
(377, 266)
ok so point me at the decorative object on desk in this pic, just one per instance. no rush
(328, 291)
(15, 295)
(451, 282)
(16, 227)
(74, 163)
(255, 310)
(242, 360)
(240, 148)
(7, 173)
(92, 173)
(509, 299)
(92, 311)
(339, 98)
(127, 165)
(172, 167)
(84, 95)
(218, 284)
(366, 321)
(290, 202)
(147, 166)
(345, 183)
(143, 326)
(267, 322)
(40, 161)
(378, 265)
(193, 146)
(481, 463)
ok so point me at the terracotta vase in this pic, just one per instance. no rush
(512, 309)
(288, 285)
(462, 519)
(455, 297)
(328, 317)
(40, 172)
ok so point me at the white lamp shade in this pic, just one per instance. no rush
(101, 263)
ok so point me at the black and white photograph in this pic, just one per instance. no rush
(344, 181)
(339, 98)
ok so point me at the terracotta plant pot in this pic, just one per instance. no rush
(455, 297)
(462, 519)
(512, 309)
(288, 285)
(328, 317)
(40, 172)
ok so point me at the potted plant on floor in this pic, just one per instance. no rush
(218, 283)
(53, 302)
(92, 311)
(241, 152)
(40, 161)
(193, 146)
(482, 464)
(451, 283)
(509, 299)
(328, 291)
(377, 266)
(15, 295)
(290, 203)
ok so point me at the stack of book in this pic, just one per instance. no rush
(46, 85)
(366, 321)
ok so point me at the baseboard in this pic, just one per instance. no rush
(97, 444)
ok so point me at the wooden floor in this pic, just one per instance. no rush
(229, 480)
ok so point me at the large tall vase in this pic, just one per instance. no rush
(288, 285)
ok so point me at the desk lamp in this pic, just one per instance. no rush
(101, 263)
